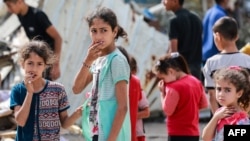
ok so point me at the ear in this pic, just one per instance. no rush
(115, 31)
(239, 93)
(170, 71)
(237, 37)
(217, 35)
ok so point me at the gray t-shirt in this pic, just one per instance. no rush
(223, 60)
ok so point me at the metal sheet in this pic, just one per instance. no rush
(144, 42)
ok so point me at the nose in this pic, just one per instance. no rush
(97, 37)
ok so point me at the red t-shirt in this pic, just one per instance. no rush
(135, 96)
(181, 104)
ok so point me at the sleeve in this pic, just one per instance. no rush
(173, 29)
(120, 69)
(63, 100)
(140, 89)
(15, 99)
(170, 101)
(143, 103)
(207, 72)
(43, 20)
(203, 101)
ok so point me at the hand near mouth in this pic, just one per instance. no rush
(28, 81)
(94, 52)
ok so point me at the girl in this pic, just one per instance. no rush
(135, 94)
(182, 95)
(143, 105)
(232, 93)
(107, 114)
(40, 106)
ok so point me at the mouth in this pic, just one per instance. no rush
(221, 100)
(32, 75)
(99, 42)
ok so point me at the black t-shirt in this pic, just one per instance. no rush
(35, 23)
(186, 27)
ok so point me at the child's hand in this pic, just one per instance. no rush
(94, 51)
(161, 86)
(28, 81)
(78, 111)
(225, 112)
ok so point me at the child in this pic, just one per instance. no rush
(225, 32)
(182, 95)
(143, 112)
(40, 106)
(36, 24)
(232, 93)
(143, 106)
(135, 95)
(108, 116)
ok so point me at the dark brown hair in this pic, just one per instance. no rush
(227, 27)
(108, 16)
(14, 1)
(173, 60)
(40, 48)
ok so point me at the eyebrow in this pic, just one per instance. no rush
(99, 28)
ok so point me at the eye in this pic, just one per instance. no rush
(218, 89)
(93, 31)
(227, 90)
(40, 64)
(103, 30)
(30, 63)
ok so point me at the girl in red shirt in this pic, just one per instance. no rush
(182, 96)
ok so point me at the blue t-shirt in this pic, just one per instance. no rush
(208, 46)
(43, 122)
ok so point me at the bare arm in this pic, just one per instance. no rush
(83, 78)
(53, 33)
(144, 113)
(67, 121)
(21, 113)
(121, 95)
(173, 45)
(209, 130)
(212, 100)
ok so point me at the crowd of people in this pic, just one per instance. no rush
(202, 58)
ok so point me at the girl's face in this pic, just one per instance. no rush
(101, 31)
(34, 66)
(226, 93)
(170, 76)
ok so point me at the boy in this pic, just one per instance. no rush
(225, 32)
(37, 25)
(185, 34)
